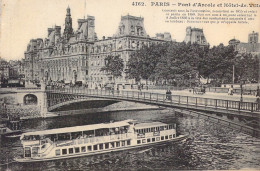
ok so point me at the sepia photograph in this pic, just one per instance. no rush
(129, 85)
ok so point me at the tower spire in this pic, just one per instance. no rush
(68, 31)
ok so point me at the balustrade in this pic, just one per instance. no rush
(161, 98)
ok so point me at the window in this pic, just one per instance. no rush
(100, 146)
(118, 144)
(95, 147)
(138, 141)
(83, 149)
(144, 141)
(106, 145)
(157, 138)
(123, 143)
(153, 139)
(128, 142)
(162, 137)
(64, 151)
(166, 137)
(173, 135)
(170, 136)
(148, 140)
(76, 149)
(90, 148)
(112, 145)
(70, 150)
(57, 152)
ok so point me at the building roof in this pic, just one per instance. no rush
(78, 128)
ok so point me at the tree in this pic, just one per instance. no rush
(218, 63)
(246, 67)
(142, 63)
(114, 65)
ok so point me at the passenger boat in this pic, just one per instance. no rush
(94, 139)
(10, 129)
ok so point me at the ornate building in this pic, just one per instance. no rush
(79, 55)
(195, 35)
(252, 46)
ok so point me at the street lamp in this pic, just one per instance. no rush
(241, 89)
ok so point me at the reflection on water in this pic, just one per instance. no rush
(209, 146)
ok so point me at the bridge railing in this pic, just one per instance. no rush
(158, 97)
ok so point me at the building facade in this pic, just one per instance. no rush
(195, 35)
(78, 55)
(252, 46)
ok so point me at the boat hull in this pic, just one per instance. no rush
(27, 160)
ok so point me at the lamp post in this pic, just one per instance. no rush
(241, 90)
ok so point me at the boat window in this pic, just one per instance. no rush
(64, 151)
(166, 137)
(43, 146)
(161, 128)
(128, 142)
(117, 144)
(162, 137)
(123, 143)
(148, 140)
(106, 145)
(100, 146)
(83, 149)
(35, 150)
(64, 136)
(70, 150)
(4, 130)
(75, 135)
(165, 127)
(170, 136)
(90, 148)
(89, 133)
(138, 141)
(153, 139)
(112, 144)
(173, 135)
(157, 138)
(144, 141)
(57, 152)
(27, 152)
(95, 147)
(102, 132)
(76, 149)
(152, 130)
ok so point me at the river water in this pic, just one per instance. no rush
(209, 146)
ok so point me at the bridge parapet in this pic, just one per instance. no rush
(251, 108)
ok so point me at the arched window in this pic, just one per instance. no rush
(30, 99)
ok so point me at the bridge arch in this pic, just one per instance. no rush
(30, 99)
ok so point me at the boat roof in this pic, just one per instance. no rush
(149, 125)
(79, 128)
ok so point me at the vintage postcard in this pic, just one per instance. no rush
(129, 85)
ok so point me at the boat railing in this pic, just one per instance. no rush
(98, 139)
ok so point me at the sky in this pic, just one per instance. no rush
(23, 20)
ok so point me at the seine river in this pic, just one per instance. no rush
(209, 146)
